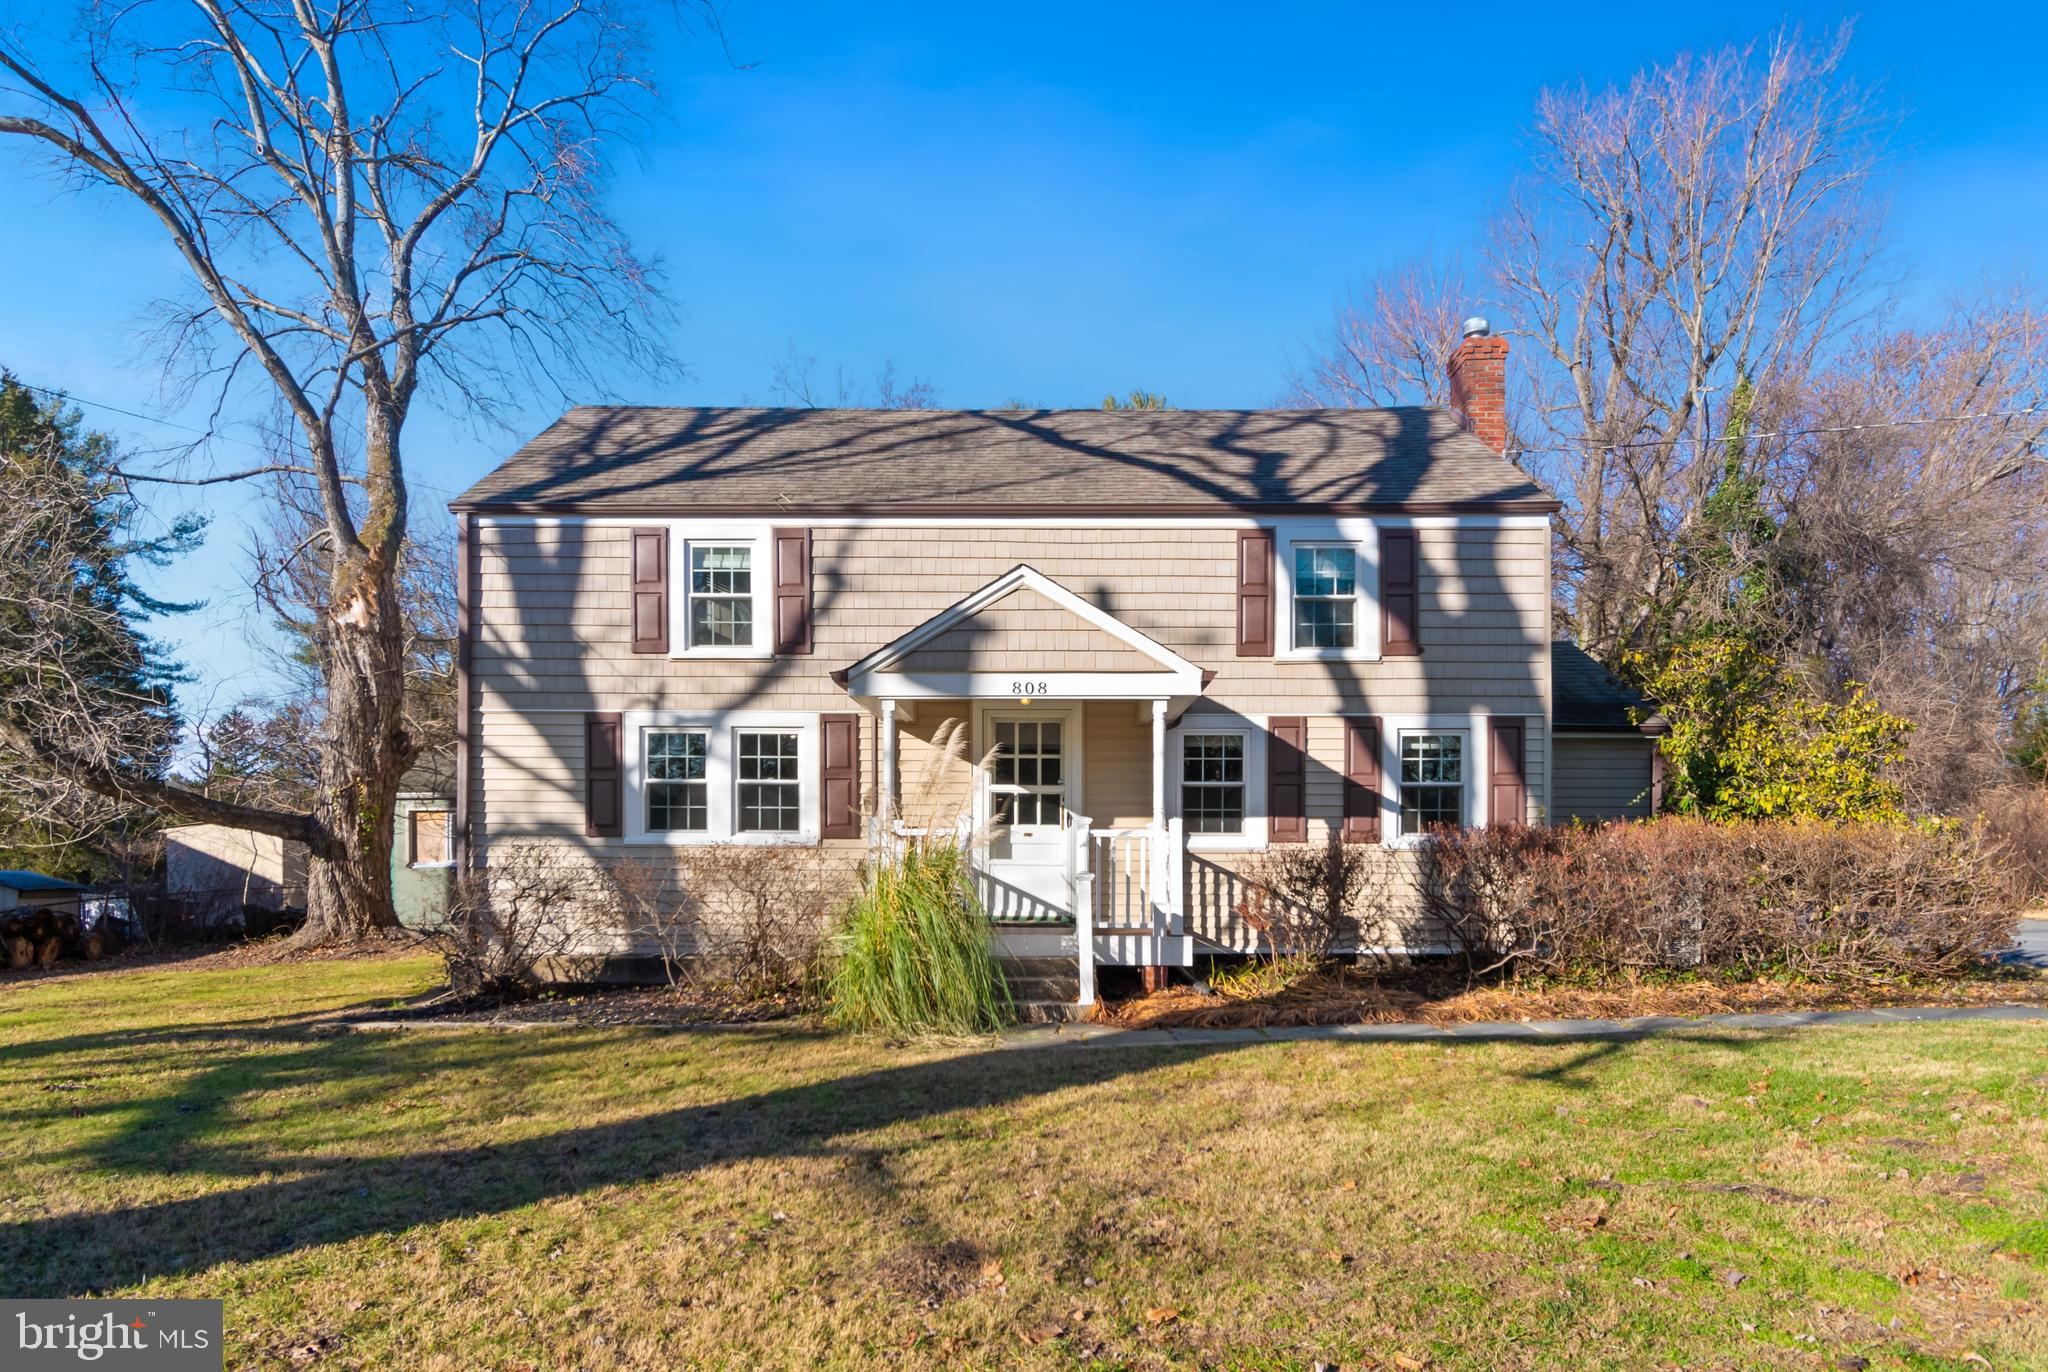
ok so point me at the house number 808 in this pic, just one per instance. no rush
(1028, 688)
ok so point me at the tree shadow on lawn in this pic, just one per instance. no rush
(355, 1197)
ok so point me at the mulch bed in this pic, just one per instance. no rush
(603, 1007)
(1350, 996)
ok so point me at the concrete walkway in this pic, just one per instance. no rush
(1550, 1030)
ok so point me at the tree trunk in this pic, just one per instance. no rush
(364, 753)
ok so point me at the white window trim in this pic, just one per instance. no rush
(1475, 728)
(721, 775)
(1362, 537)
(721, 534)
(1253, 732)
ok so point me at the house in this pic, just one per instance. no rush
(1192, 634)
(217, 872)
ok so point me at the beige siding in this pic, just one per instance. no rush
(1025, 632)
(1116, 775)
(551, 618)
(1603, 778)
(552, 641)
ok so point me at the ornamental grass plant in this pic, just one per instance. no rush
(912, 952)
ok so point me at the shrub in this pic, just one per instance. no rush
(1747, 742)
(528, 907)
(1838, 902)
(2016, 818)
(746, 916)
(1304, 897)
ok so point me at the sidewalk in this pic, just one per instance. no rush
(1082, 1035)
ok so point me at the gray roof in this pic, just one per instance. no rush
(1003, 461)
(36, 881)
(1588, 696)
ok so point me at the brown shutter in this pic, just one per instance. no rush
(839, 776)
(1507, 795)
(1361, 781)
(1287, 779)
(650, 590)
(1400, 595)
(1255, 593)
(603, 778)
(792, 591)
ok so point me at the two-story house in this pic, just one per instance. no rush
(1185, 635)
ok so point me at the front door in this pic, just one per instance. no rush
(1028, 876)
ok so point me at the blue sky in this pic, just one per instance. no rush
(1043, 203)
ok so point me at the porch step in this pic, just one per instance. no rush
(1041, 981)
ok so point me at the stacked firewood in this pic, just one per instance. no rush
(38, 937)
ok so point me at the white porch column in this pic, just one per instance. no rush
(887, 801)
(1158, 764)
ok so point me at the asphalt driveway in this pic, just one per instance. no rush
(2031, 949)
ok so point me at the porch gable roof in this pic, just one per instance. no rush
(1023, 624)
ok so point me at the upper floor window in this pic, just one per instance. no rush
(721, 594)
(1432, 781)
(1325, 596)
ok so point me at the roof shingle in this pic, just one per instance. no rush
(768, 460)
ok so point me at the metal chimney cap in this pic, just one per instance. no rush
(1475, 327)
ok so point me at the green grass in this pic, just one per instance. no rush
(783, 1197)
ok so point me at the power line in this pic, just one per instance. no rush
(1803, 433)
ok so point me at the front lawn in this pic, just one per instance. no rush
(452, 1198)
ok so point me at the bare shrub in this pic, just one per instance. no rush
(2016, 819)
(747, 916)
(534, 904)
(1304, 898)
(1832, 902)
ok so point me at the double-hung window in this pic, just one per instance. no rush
(769, 799)
(1433, 781)
(1212, 783)
(1325, 596)
(721, 595)
(678, 781)
(750, 776)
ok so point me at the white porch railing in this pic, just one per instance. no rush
(1125, 881)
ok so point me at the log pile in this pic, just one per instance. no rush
(38, 937)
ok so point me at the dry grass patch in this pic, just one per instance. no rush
(778, 1197)
(1266, 995)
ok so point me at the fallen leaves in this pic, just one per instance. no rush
(1161, 1314)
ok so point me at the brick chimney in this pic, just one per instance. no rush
(1478, 369)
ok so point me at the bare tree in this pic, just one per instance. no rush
(1389, 341)
(794, 379)
(1915, 532)
(382, 197)
(1705, 226)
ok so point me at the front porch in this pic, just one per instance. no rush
(1066, 712)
